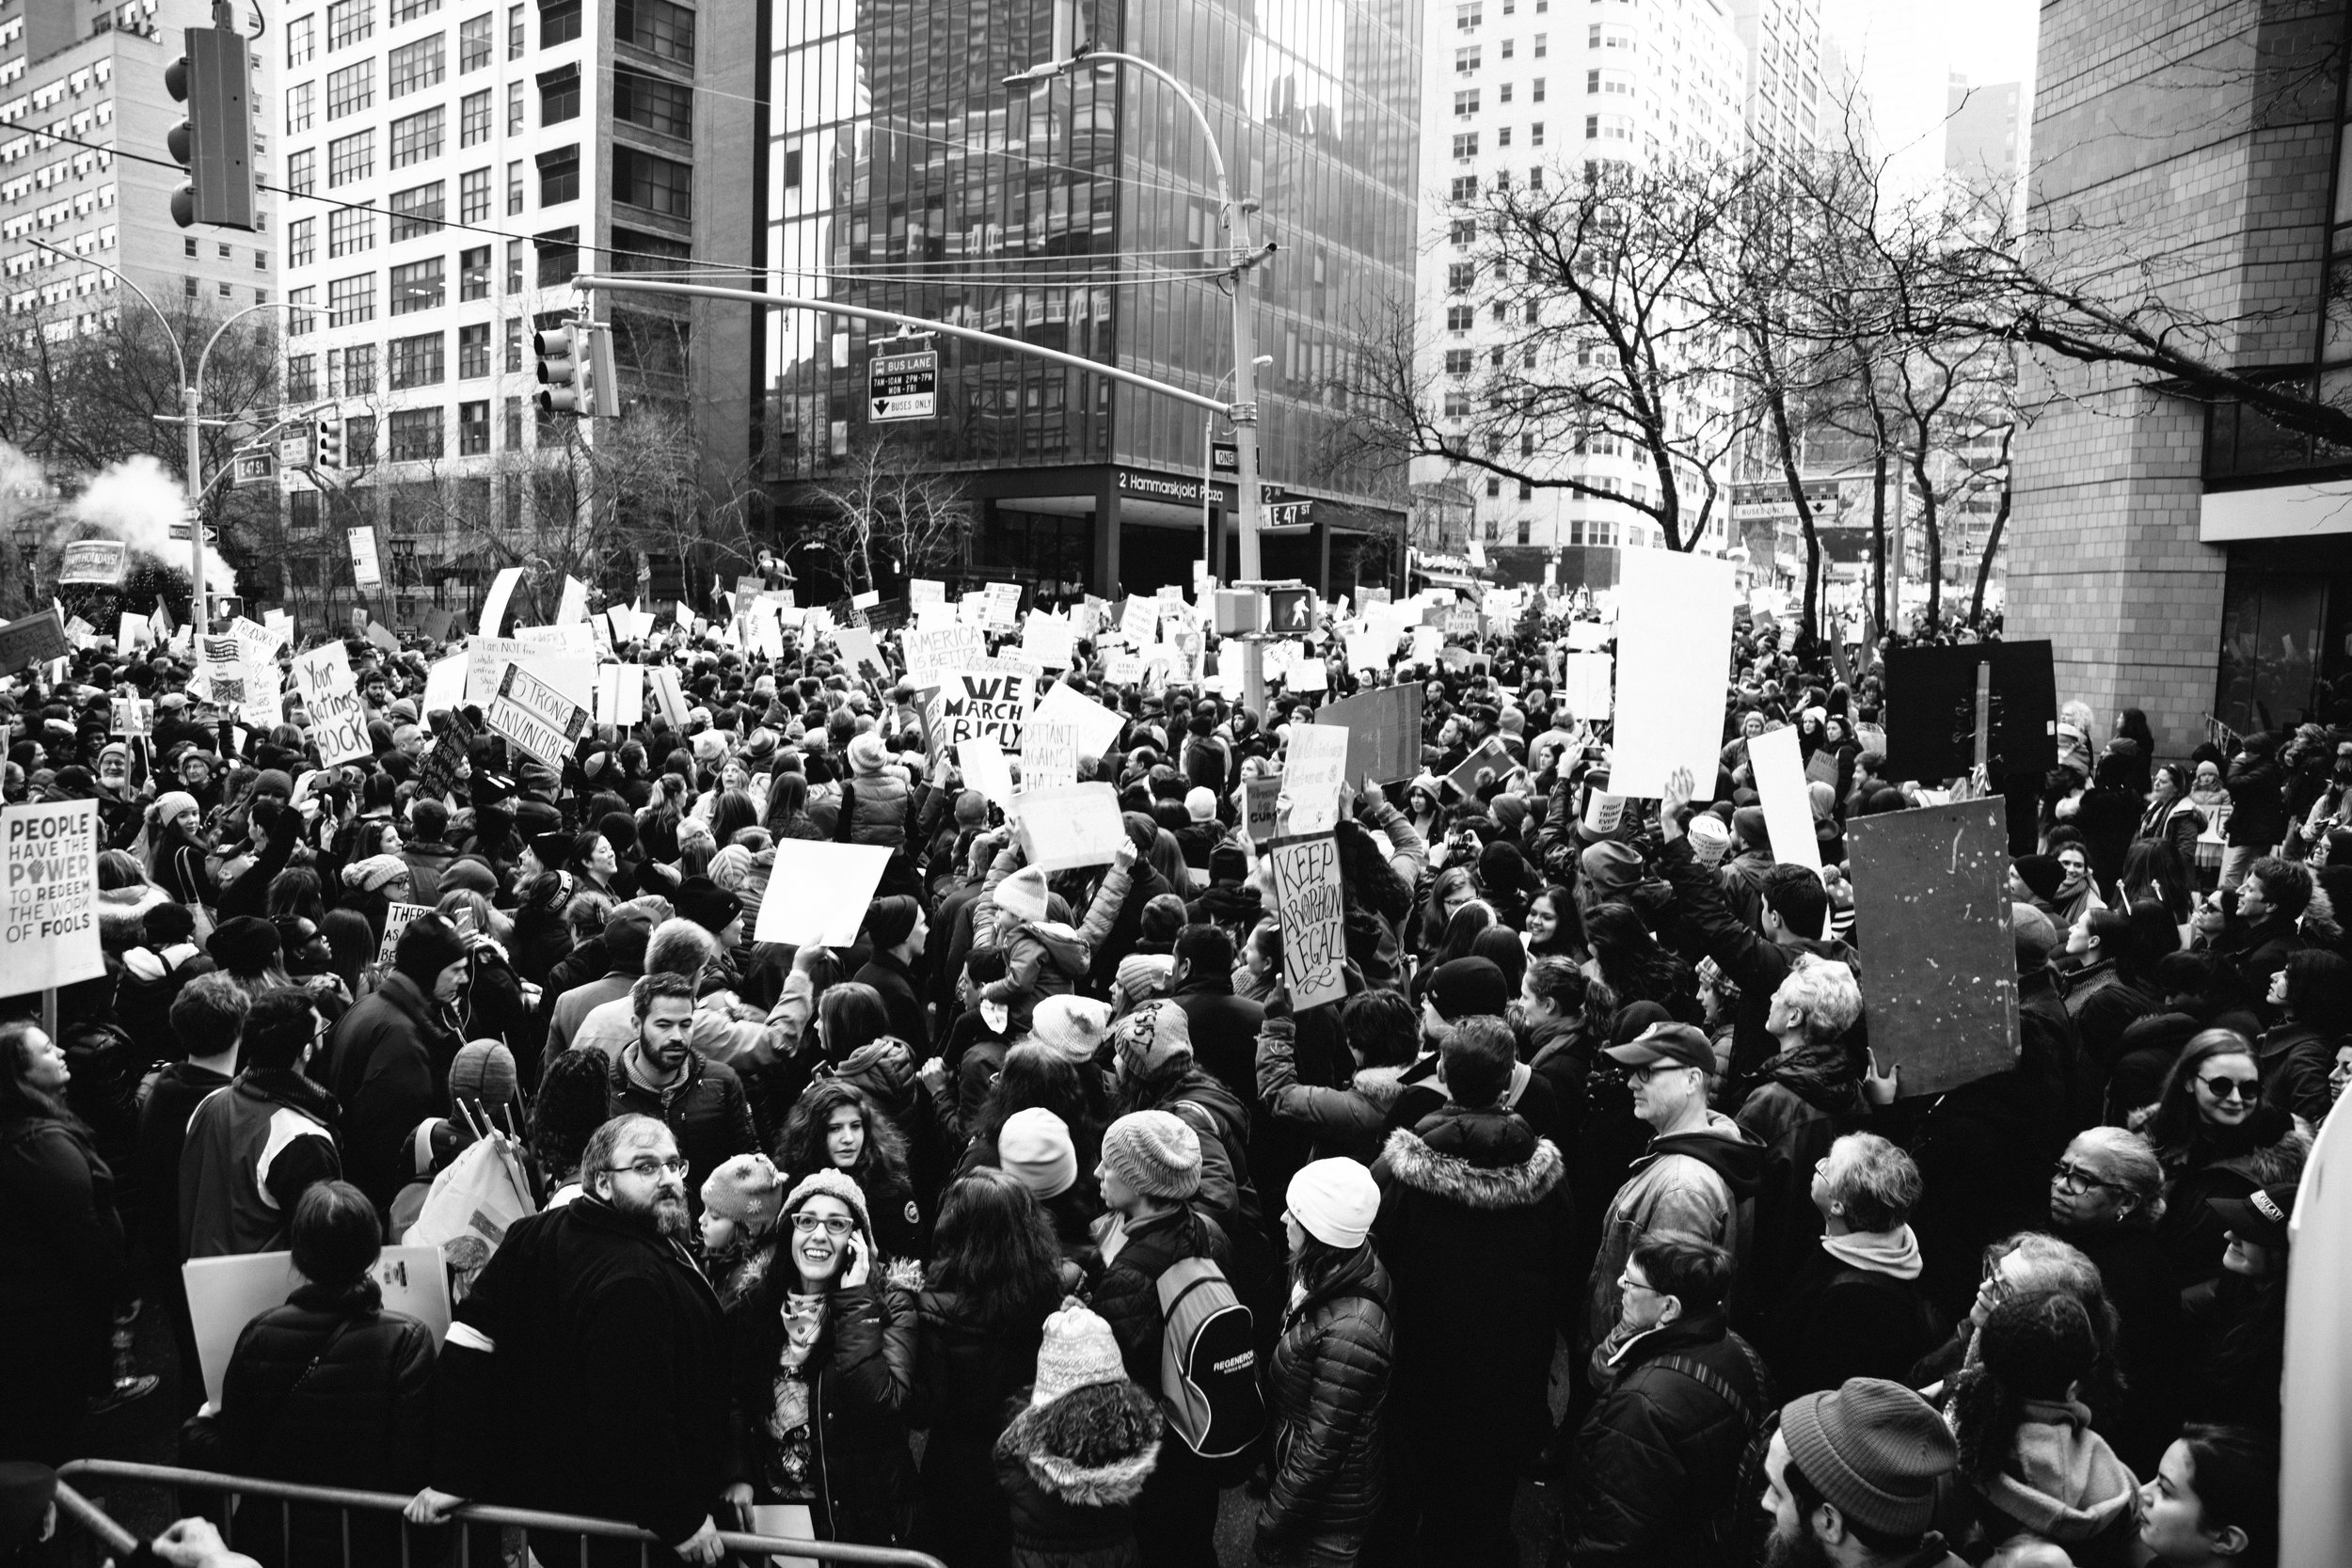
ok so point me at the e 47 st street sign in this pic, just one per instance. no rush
(903, 386)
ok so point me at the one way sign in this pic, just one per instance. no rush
(903, 386)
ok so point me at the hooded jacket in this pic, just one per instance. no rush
(1352, 1120)
(1066, 1512)
(705, 1110)
(1324, 1390)
(388, 1064)
(1704, 1181)
(249, 1153)
(2062, 1482)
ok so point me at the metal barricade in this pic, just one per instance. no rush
(249, 1490)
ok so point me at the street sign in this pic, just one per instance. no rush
(255, 466)
(1288, 514)
(1224, 457)
(903, 386)
(295, 451)
(184, 525)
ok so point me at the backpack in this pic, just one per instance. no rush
(1208, 1362)
(1734, 1532)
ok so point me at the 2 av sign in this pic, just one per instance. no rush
(903, 386)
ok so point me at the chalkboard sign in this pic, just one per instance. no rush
(1383, 733)
(1932, 710)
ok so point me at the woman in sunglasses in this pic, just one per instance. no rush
(2216, 1139)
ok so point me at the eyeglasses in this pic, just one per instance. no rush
(2233, 1088)
(1626, 1282)
(834, 1225)
(1650, 1070)
(2078, 1178)
(652, 1169)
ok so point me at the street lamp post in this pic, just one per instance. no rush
(1208, 470)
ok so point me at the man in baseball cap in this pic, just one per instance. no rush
(1851, 1480)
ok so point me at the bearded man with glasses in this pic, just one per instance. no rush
(586, 1372)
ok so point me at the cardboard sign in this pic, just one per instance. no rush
(98, 560)
(923, 590)
(819, 893)
(1788, 804)
(1003, 601)
(132, 716)
(1492, 756)
(932, 649)
(396, 920)
(1049, 640)
(437, 624)
(1098, 728)
(502, 594)
(1048, 754)
(366, 571)
(1603, 813)
(227, 1293)
(859, 652)
(1932, 909)
(573, 606)
(668, 696)
(33, 639)
(1931, 710)
(445, 763)
(533, 715)
(1122, 670)
(1587, 636)
(339, 724)
(1309, 906)
(1074, 825)
(1260, 803)
(1383, 733)
(985, 768)
(1674, 649)
(1584, 685)
(1313, 768)
(992, 702)
(621, 694)
(49, 928)
(444, 686)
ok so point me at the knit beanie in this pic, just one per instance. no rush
(243, 944)
(429, 946)
(1748, 827)
(170, 803)
(1199, 805)
(1149, 1038)
(831, 1183)
(1071, 1027)
(706, 904)
(1875, 1450)
(1023, 894)
(484, 1072)
(731, 867)
(1336, 1200)
(747, 1189)
(1612, 866)
(1155, 1153)
(867, 754)
(1034, 1149)
(2043, 874)
(375, 873)
(1078, 1351)
(890, 920)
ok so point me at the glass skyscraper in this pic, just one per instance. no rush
(1082, 214)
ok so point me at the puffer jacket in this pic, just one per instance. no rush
(1067, 1514)
(878, 808)
(1125, 1290)
(1657, 1460)
(1324, 1388)
(705, 1111)
(965, 1370)
(387, 1067)
(326, 1390)
(1351, 1121)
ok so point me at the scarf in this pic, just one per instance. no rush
(1895, 1252)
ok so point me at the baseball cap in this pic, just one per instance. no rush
(2260, 1216)
(1679, 1043)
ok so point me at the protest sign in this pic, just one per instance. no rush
(32, 641)
(668, 696)
(1931, 710)
(1931, 889)
(227, 1293)
(438, 623)
(932, 649)
(131, 631)
(573, 606)
(923, 590)
(576, 639)
(502, 594)
(1787, 805)
(1585, 687)
(1122, 670)
(1312, 771)
(98, 560)
(985, 768)
(2315, 1517)
(1260, 800)
(620, 694)
(1072, 825)
(1047, 639)
(132, 716)
(1603, 813)
(445, 763)
(1587, 636)
(1309, 906)
(1140, 618)
(396, 920)
(1310, 674)
(1004, 606)
(444, 685)
(990, 702)
(337, 721)
(532, 714)
(819, 893)
(1368, 649)
(862, 654)
(1098, 727)
(1048, 754)
(49, 931)
(1383, 733)
(1674, 647)
(1491, 757)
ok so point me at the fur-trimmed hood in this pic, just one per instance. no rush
(122, 913)
(1113, 1483)
(1479, 1159)
(1381, 1086)
(2272, 1163)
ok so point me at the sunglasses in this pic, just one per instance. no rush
(2232, 1088)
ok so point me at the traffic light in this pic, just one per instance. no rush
(1289, 611)
(216, 142)
(326, 447)
(576, 371)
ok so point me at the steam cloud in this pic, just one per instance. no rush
(136, 501)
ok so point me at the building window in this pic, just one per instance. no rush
(1536, 135)
(416, 435)
(473, 352)
(514, 187)
(1543, 44)
(1461, 318)
(299, 323)
(408, 11)
(360, 429)
(350, 89)
(1494, 491)
(349, 21)
(559, 95)
(1459, 276)
(418, 287)
(1467, 16)
(1458, 361)
(302, 377)
(558, 175)
(657, 184)
(416, 361)
(298, 107)
(473, 118)
(1510, 47)
(350, 230)
(417, 139)
(350, 158)
(1527, 493)
(653, 102)
(473, 430)
(473, 43)
(302, 41)
(514, 421)
(1536, 90)
(1502, 94)
(415, 67)
(513, 267)
(415, 212)
(1466, 145)
(1503, 137)
(302, 240)
(514, 32)
(1465, 61)
(301, 172)
(473, 273)
(559, 22)
(1457, 405)
(514, 108)
(302, 513)
(1465, 187)
(656, 26)
(351, 300)
(513, 345)
(473, 196)
(1466, 104)
(1535, 178)
(558, 257)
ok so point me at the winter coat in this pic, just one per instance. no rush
(1042, 958)
(896, 984)
(62, 1269)
(585, 1322)
(387, 1065)
(1325, 1389)
(2192, 1235)
(326, 1390)
(860, 1383)
(1657, 1460)
(878, 808)
(2060, 1483)
(705, 1110)
(171, 1103)
(1474, 1227)
(247, 1155)
(151, 981)
(2258, 811)
(966, 1370)
(1704, 1181)
(2294, 1064)
(1124, 1291)
(1835, 1319)
(1352, 1122)
(1070, 1514)
(1224, 1030)
(2149, 1342)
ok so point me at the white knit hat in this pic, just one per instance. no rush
(1023, 894)
(1071, 1027)
(1079, 1352)
(1034, 1149)
(1336, 1200)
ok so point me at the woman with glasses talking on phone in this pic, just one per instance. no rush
(822, 1352)
(2215, 1139)
(2106, 1194)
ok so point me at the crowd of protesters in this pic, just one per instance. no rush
(1039, 1224)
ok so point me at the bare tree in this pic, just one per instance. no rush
(887, 517)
